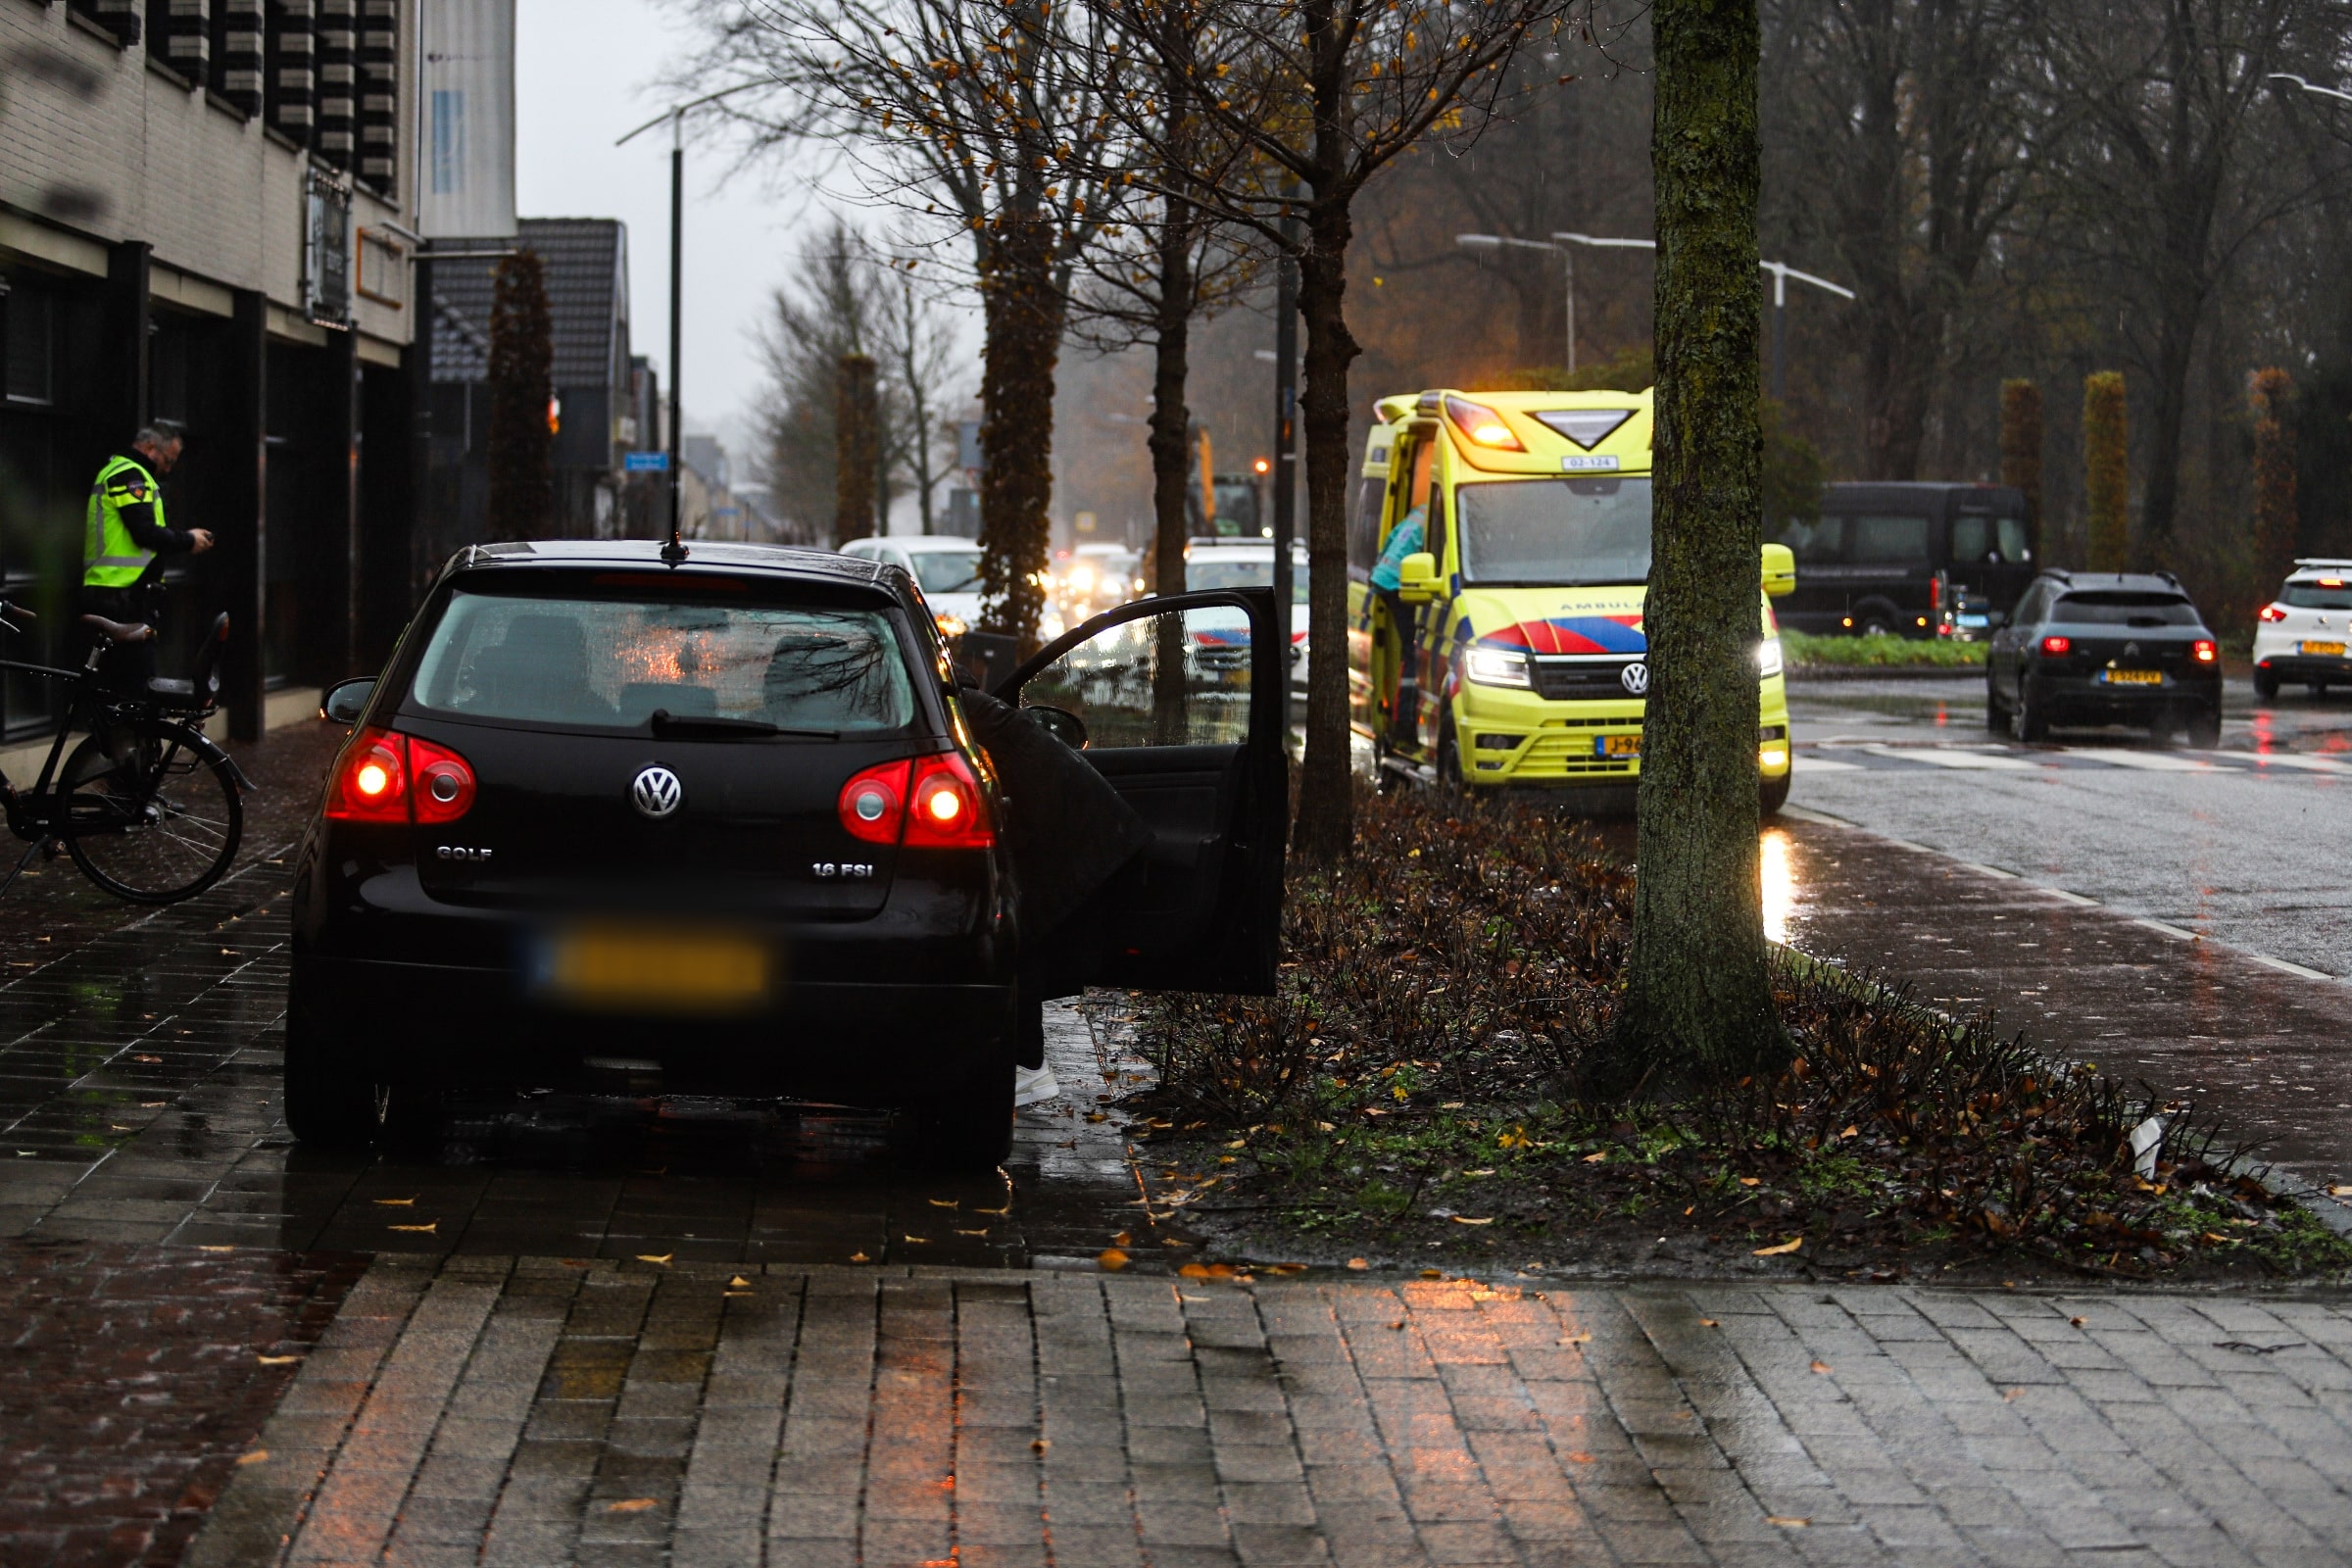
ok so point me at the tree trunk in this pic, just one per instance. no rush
(857, 447)
(1326, 826)
(1022, 315)
(1698, 998)
(1171, 453)
(2174, 343)
(2275, 510)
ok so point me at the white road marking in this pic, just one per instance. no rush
(1814, 764)
(1987, 870)
(2147, 761)
(2284, 966)
(2071, 898)
(1951, 757)
(2169, 930)
(2310, 764)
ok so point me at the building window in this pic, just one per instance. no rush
(28, 323)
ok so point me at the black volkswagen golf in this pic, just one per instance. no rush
(2104, 648)
(724, 820)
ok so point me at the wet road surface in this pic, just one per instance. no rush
(2249, 843)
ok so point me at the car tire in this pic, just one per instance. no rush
(970, 1131)
(1877, 621)
(1996, 712)
(2033, 716)
(1450, 777)
(331, 1096)
(2204, 728)
(1774, 794)
(2266, 684)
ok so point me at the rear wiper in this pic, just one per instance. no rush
(711, 727)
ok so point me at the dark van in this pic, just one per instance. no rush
(1908, 558)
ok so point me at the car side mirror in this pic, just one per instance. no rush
(1779, 571)
(1417, 578)
(346, 699)
(1059, 722)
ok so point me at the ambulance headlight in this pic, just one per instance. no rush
(1497, 667)
(1768, 657)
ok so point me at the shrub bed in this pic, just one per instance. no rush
(1411, 1093)
(1803, 652)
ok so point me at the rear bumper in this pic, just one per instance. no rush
(2085, 697)
(856, 1043)
(2304, 666)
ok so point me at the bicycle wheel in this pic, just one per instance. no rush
(151, 812)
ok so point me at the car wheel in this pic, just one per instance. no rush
(1877, 621)
(2033, 717)
(1996, 712)
(1774, 794)
(1450, 777)
(2266, 684)
(330, 1098)
(969, 1131)
(2204, 728)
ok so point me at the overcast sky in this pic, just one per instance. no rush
(585, 74)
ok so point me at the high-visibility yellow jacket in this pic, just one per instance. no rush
(124, 498)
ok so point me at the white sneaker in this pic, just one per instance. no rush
(1033, 1086)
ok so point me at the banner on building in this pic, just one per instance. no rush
(467, 186)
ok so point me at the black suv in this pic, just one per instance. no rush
(2104, 648)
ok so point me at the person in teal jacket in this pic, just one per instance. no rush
(1387, 575)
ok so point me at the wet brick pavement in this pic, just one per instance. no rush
(540, 1412)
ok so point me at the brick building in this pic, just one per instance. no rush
(208, 214)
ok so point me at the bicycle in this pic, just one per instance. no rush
(150, 809)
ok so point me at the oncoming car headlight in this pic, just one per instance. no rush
(1495, 666)
(1768, 657)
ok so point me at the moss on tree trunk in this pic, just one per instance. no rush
(1698, 1000)
(1326, 826)
(856, 447)
(1022, 315)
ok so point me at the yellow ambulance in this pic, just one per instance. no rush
(1509, 649)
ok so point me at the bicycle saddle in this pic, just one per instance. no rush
(119, 631)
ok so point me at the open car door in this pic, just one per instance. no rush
(1178, 706)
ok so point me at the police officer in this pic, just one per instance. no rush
(125, 539)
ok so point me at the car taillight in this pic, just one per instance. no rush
(873, 803)
(2056, 647)
(945, 810)
(2204, 652)
(388, 777)
(2273, 611)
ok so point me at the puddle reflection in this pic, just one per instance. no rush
(1778, 869)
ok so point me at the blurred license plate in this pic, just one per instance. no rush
(1616, 746)
(1973, 620)
(2135, 677)
(660, 970)
(2329, 650)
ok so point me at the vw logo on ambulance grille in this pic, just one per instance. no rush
(1634, 677)
(657, 792)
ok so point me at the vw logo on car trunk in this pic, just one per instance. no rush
(1634, 677)
(657, 793)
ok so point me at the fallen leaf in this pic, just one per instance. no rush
(2008, 1395)
(631, 1506)
(859, 1257)
(254, 1458)
(982, 1231)
(421, 1229)
(945, 1203)
(2076, 1322)
(739, 1282)
(2340, 1189)
(1781, 1250)
(1096, 1115)
(1708, 1323)
(216, 1248)
(1787, 1521)
(919, 1240)
(1822, 1367)
(1432, 1273)
(1464, 1219)
(1578, 1339)
(1284, 1268)
(277, 1360)
(1239, 1143)
(1596, 1156)
(1399, 1324)
(396, 1202)
(1751, 1181)
(1123, 1239)
(1688, 1212)
(654, 1257)
(152, 1062)
(1358, 1264)
(1111, 1260)
(1006, 1209)
(1039, 1445)
(1579, 1456)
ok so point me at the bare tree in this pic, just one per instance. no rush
(1322, 95)
(981, 115)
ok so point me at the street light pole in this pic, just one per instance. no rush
(2311, 87)
(674, 550)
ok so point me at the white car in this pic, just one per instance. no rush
(2305, 634)
(946, 568)
(1248, 563)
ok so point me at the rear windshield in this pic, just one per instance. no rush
(2126, 609)
(2317, 596)
(947, 571)
(610, 661)
(1567, 532)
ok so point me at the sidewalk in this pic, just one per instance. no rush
(542, 1411)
